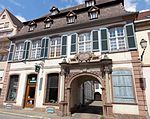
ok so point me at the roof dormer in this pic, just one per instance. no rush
(93, 12)
(89, 3)
(32, 25)
(71, 17)
(54, 10)
(48, 22)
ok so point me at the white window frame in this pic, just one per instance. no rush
(116, 37)
(94, 15)
(85, 42)
(55, 46)
(20, 51)
(37, 49)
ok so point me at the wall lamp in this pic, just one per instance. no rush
(143, 44)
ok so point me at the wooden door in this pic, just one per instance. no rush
(30, 92)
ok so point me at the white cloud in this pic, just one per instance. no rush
(130, 5)
(22, 19)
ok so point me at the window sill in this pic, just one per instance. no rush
(52, 104)
(134, 103)
(10, 101)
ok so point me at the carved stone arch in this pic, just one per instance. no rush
(99, 78)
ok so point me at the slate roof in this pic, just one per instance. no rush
(108, 9)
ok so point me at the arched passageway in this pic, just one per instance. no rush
(82, 95)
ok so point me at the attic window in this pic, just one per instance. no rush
(48, 22)
(93, 12)
(54, 10)
(71, 17)
(89, 3)
(4, 16)
(32, 26)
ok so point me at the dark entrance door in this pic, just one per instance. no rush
(30, 91)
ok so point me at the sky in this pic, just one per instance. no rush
(31, 9)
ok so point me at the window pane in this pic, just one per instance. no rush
(73, 38)
(122, 86)
(104, 34)
(104, 45)
(52, 88)
(13, 86)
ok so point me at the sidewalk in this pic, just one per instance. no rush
(44, 115)
(32, 114)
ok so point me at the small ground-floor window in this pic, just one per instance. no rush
(12, 89)
(122, 86)
(52, 88)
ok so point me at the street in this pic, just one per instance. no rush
(7, 116)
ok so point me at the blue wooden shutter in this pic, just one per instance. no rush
(95, 40)
(130, 36)
(64, 45)
(11, 52)
(74, 43)
(104, 39)
(26, 50)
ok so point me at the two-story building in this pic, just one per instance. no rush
(9, 26)
(52, 56)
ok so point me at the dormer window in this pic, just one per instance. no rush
(89, 3)
(48, 22)
(71, 17)
(93, 12)
(54, 10)
(32, 26)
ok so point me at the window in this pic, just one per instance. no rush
(6, 25)
(4, 16)
(117, 39)
(44, 47)
(71, 19)
(104, 39)
(13, 86)
(73, 43)
(55, 47)
(93, 15)
(3, 57)
(64, 45)
(52, 88)
(19, 51)
(89, 3)
(93, 12)
(31, 28)
(36, 49)
(32, 25)
(122, 86)
(26, 50)
(84, 43)
(48, 22)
